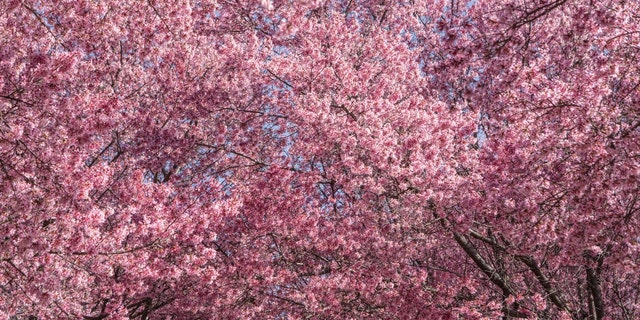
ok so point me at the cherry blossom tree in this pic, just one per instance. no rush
(202, 159)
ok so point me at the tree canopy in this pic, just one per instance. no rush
(343, 159)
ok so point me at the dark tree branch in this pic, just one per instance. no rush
(17, 100)
(486, 268)
(552, 293)
(279, 79)
(594, 288)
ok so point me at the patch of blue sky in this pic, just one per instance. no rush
(281, 50)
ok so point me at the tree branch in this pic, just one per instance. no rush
(17, 100)
(279, 79)
(487, 269)
(553, 294)
(594, 288)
